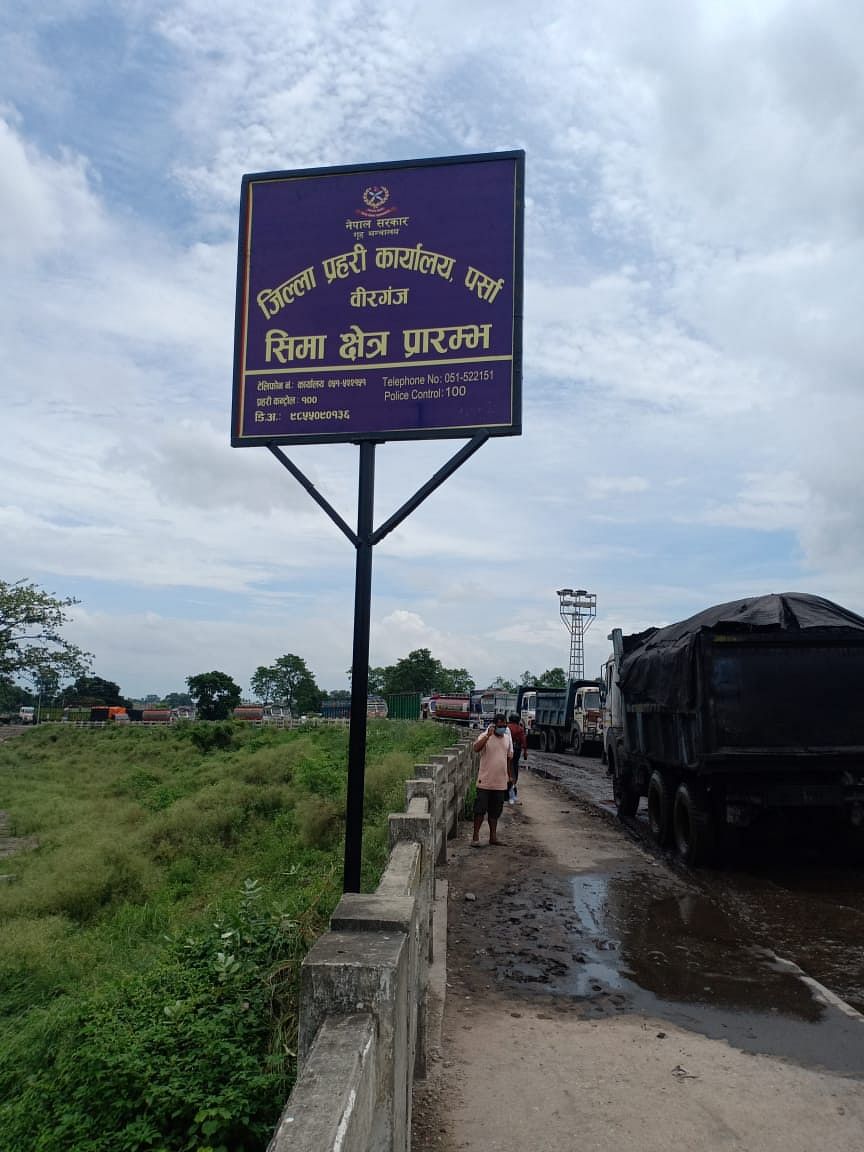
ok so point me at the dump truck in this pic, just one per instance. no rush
(559, 718)
(749, 709)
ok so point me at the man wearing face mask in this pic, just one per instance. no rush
(493, 778)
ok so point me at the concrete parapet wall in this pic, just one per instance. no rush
(364, 985)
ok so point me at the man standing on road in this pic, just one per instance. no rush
(493, 778)
(520, 748)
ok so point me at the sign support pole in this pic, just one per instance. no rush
(359, 670)
(364, 540)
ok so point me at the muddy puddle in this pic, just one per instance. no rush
(639, 941)
(675, 954)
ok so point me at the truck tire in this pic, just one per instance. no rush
(577, 740)
(693, 825)
(542, 742)
(660, 800)
(626, 796)
(551, 740)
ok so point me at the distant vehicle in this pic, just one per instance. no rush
(27, 714)
(155, 716)
(104, 714)
(746, 709)
(559, 718)
(183, 713)
(262, 713)
(254, 712)
(455, 708)
(488, 703)
(376, 708)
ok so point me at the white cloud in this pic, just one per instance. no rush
(693, 341)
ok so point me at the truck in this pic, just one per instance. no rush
(278, 714)
(454, 707)
(487, 703)
(745, 711)
(109, 714)
(559, 718)
(376, 709)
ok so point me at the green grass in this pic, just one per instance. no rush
(150, 945)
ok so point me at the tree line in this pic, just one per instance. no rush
(33, 649)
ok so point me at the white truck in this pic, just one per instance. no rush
(559, 718)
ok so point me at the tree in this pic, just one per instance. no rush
(419, 671)
(377, 681)
(338, 694)
(30, 642)
(88, 691)
(46, 683)
(455, 680)
(12, 696)
(289, 681)
(504, 685)
(554, 678)
(178, 700)
(215, 694)
(528, 678)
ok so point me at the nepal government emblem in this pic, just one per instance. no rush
(375, 198)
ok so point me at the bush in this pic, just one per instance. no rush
(140, 1007)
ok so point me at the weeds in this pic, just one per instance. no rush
(148, 987)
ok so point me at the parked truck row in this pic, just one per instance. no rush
(746, 710)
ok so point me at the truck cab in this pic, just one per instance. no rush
(588, 725)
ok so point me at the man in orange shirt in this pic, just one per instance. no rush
(493, 777)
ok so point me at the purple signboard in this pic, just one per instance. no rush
(380, 303)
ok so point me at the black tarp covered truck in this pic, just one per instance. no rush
(746, 709)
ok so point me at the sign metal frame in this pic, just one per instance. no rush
(367, 438)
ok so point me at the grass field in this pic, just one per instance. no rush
(150, 944)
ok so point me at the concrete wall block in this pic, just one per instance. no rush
(403, 875)
(420, 787)
(379, 912)
(350, 972)
(420, 828)
(373, 912)
(333, 1102)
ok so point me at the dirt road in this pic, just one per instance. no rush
(596, 1000)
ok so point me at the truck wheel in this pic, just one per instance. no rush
(541, 740)
(660, 808)
(577, 740)
(552, 740)
(626, 796)
(693, 826)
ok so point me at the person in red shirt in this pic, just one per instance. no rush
(520, 751)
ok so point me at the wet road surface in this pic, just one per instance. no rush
(790, 900)
(601, 996)
(769, 958)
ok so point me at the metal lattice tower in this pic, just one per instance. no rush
(578, 610)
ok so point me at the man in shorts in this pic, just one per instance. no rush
(493, 778)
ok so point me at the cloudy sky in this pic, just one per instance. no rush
(694, 321)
